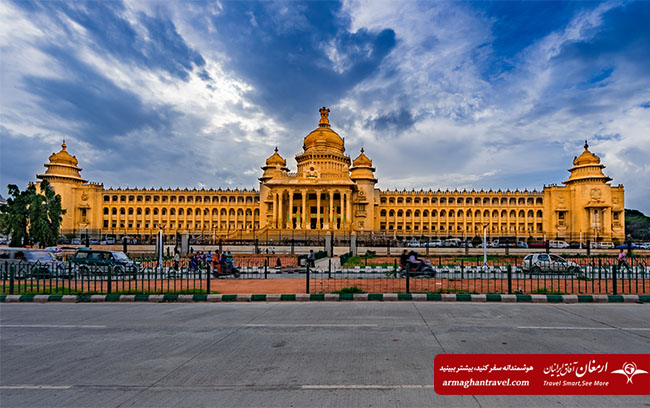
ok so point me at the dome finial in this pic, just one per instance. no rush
(63, 145)
(586, 145)
(324, 116)
(362, 150)
(276, 149)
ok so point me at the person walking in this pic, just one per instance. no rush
(622, 261)
(177, 259)
(311, 258)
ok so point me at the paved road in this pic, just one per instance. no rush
(289, 354)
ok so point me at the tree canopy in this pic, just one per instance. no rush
(32, 217)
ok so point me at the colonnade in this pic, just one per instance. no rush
(288, 214)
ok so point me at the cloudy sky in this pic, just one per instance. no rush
(440, 94)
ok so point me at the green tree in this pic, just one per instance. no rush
(45, 215)
(16, 215)
(32, 217)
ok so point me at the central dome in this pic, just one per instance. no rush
(323, 135)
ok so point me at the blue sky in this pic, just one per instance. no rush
(466, 95)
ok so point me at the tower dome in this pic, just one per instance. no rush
(276, 159)
(323, 136)
(362, 168)
(62, 166)
(587, 167)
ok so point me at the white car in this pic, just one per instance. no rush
(548, 263)
(558, 244)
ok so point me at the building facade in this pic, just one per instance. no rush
(330, 193)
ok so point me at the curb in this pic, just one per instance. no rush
(329, 297)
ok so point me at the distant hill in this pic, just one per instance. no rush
(637, 225)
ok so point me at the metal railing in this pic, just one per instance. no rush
(595, 276)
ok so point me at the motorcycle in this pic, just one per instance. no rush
(226, 270)
(423, 268)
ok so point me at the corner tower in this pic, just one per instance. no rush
(587, 207)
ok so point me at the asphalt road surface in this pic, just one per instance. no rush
(361, 354)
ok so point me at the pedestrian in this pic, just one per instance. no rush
(177, 258)
(311, 258)
(278, 263)
(621, 260)
(403, 259)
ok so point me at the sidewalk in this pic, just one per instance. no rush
(323, 263)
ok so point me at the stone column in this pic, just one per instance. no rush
(290, 208)
(331, 219)
(348, 208)
(305, 224)
(275, 211)
(318, 221)
(280, 223)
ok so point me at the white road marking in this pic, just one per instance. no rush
(35, 387)
(365, 386)
(54, 326)
(311, 325)
(582, 328)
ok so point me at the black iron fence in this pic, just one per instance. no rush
(266, 275)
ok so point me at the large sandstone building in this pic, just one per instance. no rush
(329, 192)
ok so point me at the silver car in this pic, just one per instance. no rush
(548, 263)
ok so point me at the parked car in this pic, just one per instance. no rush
(624, 246)
(31, 263)
(413, 244)
(451, 242)
(76, 241)
(558, 244)
(602, 245)
(435, 243)
(548, 263)
(87, 261)
(522, 244)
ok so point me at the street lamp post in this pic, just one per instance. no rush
(485, 246)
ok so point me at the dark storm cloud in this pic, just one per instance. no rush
(21, 157)
(161, 48)
(287, 63)
(99, 109)
(392, 122)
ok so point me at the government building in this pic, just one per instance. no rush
(331, 193)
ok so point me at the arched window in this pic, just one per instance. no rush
(114, 211)
(189, 211)
(408, 213)
(105, 210)
(400, 213)
(382, 213)
(391, 213)
(122, 211)
(172, 211)
(130, 211)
